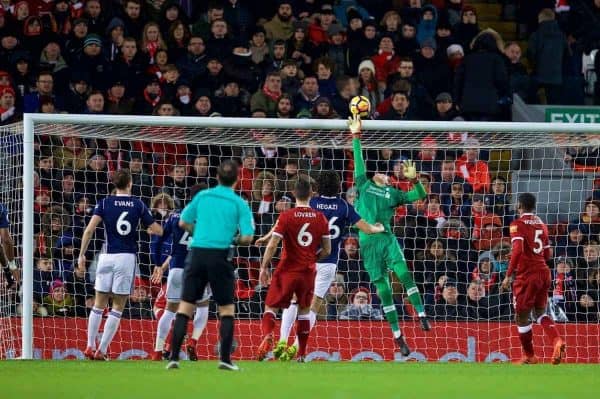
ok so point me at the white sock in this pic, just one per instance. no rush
(397, 334)
(164, 325)
(200, 320)
(312, 317)
(94, 322)
(110, 328)
(288, 318)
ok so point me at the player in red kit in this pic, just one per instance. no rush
(303, 231)
(530, 251)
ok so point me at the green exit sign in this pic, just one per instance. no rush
(573, 115)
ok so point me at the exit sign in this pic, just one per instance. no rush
(573, 115)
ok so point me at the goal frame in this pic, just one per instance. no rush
(30, 121)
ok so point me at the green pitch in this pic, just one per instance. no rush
(148, 380)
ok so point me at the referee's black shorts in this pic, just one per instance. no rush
(203, 266)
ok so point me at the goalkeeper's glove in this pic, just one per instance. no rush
(355, 124)
(409, 170)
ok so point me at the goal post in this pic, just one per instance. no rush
(513, 148)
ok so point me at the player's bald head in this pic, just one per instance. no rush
(227, 173)
(527, 202)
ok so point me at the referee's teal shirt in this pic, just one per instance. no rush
(219, 213)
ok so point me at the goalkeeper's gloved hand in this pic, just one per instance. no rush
(355, 125)
(409, 170)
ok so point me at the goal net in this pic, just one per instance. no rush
(456, 241)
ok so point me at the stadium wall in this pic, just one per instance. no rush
(64, 338)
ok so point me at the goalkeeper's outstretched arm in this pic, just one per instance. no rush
(360, 171)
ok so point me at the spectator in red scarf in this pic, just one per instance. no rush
(386, 61)
(115, 155)
(434, 210)
(152, 41)
(8, 112)
(150, 98)
(266, 98)
(246, 174)
(472, 169)
(317, 31)
(487, 232)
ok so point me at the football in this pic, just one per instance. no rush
(360, 105)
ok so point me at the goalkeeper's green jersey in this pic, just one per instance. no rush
(377, 204)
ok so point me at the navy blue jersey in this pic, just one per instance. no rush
(174, 242)
(3, 217)
(122, 215)
(340, 215)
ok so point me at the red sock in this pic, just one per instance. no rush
(268, 323)
(302, 332)
(548, 326)
(526, 337)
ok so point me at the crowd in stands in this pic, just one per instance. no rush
(294, 59)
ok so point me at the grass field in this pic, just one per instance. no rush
(345, 380)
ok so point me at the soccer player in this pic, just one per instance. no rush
(340, 215)
(376, 203)
(530, 251)
(303, 230)
(121, 214)
(178, 240)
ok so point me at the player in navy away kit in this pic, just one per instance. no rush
(340, 215)
(115, 272)
(178, 240)
(7, 249)
(530, 251)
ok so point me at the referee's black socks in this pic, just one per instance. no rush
(179, 330)
(226, 334)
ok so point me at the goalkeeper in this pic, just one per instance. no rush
(376, 203)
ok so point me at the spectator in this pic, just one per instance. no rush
(52, 60)
(434, 211)
(501, 257)
(520, 82)
(433, 262)
(139, 306)
(193, 63)
(78, 93)
(472, 169)
(317, 31)
(454, 8)
(487, 230)
(239, 67)
(589, 221)
(23, 76)
(427, 24)
(497, 200)
(408, 45)
(360, 307)
(202, 27)
(219, 42)
(546, 51)
(324, 68)
(481, 82)
(484, 273)
(44, 87)
(347, 88)
(175, 185)
(299, 48)
(337, 50)
(94, 103)
(385, 61)
(200, 173)
(142, 184)
(280, 27)
(432, 70)
(588, 305)
(94, 180)
(307, 95)
(266, 98)
(390, 25)
(44, 276)
(362, 44)
(246, 174)
(116, 34)
(564, 287)
(133, 18)
(323, 109)
(263, 200)
(369, 87)
(444, 38)
(129, 68)
(8, 111)
(478, 305)
(73, 154)
(336, 300)
(400, 109)
(59, 302)
(571, 244)
(449, 306)
(347, 10)
(466, 30)
(444, 108)
(150, 97)
(455, 54)
(178, 37)
(65, 189)
(116, 102)
(259, 47)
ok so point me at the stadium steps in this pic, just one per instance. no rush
(490, 16)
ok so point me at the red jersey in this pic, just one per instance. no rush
(301, 229)
(533, 234)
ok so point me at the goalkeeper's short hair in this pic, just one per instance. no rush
(328, 183)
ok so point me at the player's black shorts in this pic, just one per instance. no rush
(204, 266)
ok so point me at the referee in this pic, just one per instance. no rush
(220, 214)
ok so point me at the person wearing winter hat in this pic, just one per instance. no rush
(59, 302)
(369, 86)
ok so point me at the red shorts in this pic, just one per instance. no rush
(285, 284)
(531, 291)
